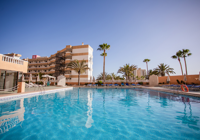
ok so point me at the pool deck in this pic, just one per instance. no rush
(190, 93)
(31, 90)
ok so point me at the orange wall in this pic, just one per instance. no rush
(190, 79)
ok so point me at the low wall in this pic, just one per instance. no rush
(119, 83)
(190, 79)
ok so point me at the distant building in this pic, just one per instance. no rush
(140, 72)
(56, 64)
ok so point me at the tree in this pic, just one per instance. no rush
(107, 76)
(103, 47)
(116, 77)
(177, 56)
(163, 69)
(79, 67)
(186, 53)
(40, 75)
(127, 70)
(146, 60)
(152, 72)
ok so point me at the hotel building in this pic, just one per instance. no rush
(139, 72)
(56, 64)
(11, 70)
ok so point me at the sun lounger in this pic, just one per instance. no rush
(116, 85)
(103, 84)
(122, 84)
(196, 88)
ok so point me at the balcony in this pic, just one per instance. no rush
(14, 64)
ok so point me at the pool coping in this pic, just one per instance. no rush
(31, 94)
(194, 94)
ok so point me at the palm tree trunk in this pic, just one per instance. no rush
(147, 67)
(104, 66)
(180, 65)
(185, 66)
(79, 78)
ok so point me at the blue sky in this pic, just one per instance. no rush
(135, 29)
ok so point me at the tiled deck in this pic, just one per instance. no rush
(30, 90)
(190, 93)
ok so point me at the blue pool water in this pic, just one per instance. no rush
(101, 114)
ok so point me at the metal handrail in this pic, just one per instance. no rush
(12, 88)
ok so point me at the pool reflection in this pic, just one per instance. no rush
(11, 114)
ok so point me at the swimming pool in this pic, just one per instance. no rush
(101, 114)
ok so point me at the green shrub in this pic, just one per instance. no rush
(141, 83)
(99, 83)
(40, 83)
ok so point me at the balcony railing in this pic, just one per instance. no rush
(12, 60)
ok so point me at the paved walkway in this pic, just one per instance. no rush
(29, 90)
(190, 93)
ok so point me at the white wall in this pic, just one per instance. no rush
(81, 80)
(82, 50)
(88, 57)
(81, 57)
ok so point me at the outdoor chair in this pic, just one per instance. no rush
(196, 88)
(103, 84)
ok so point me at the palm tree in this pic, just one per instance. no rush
(79, 67)
(177, 56)
(185, 53)
(127, 70)
(164, 68)
(103, 47)
(107, 76)
(151, 72)
(146, 60)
